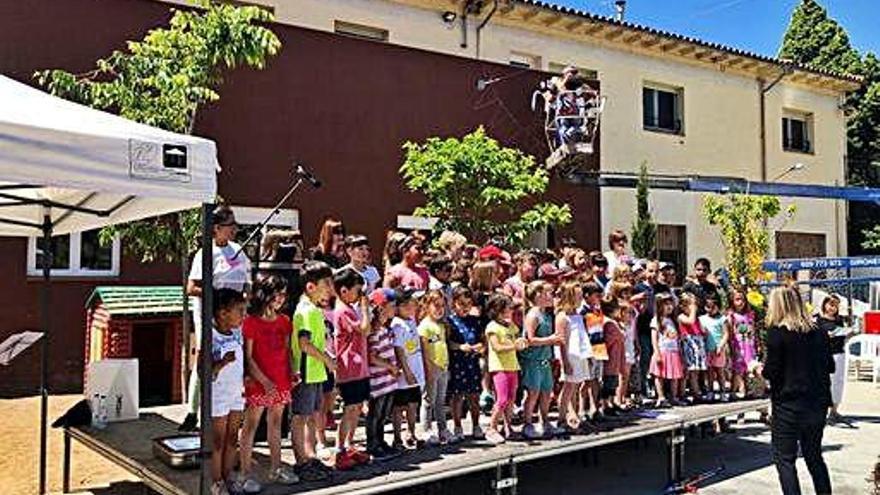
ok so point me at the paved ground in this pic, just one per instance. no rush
(633, 468)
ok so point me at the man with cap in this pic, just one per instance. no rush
(357, 247)
(666, 277)
(410, 273)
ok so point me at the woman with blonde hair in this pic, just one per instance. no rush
(798, 366)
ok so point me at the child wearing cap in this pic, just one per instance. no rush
(408, 350)
(384, 373)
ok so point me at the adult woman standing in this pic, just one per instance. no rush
(798, 366)
(830, 322)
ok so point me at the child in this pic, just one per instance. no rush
(227, 403)
(742, 326)
(504, 342)
(615, 342)
(352, 367)
(268, 382)
(408, 350)
(666, 363)
(441, 277)
(384, 371)
(591, 309)
(693, 344)
(537, 373)
(311, 359)
(436, 364)
(574, 352)
(466, 346)
(629, 315)
(717, 329)
(325, 420)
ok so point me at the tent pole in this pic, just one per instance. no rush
(206, 356)
(45, 316)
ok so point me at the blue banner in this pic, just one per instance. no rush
(822, 263)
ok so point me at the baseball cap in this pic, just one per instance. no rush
(382, 296)
(356, 240)
(490, 253)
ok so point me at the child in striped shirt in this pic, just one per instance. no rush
(384, 373)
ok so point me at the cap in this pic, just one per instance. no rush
(490, 253)
(667, 264)
(382, 296)
(356, 240)
(599, 259)
(638, 265)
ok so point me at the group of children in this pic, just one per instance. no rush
(424, 352)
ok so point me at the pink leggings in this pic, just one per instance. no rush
(506, 383)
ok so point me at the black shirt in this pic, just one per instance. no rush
(829, 326)
(799, 367)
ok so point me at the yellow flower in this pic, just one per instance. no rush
(755, 298)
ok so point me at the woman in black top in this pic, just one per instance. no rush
(799, 367)
(829, 321)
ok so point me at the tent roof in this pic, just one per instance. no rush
(138, 300)
(56, 153)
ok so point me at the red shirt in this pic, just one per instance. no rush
(415, 278)
(271, 351)
(351, 345)
(615, 342)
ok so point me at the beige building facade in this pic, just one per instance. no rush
(681, 105)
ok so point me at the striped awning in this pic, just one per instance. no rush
(138, 300)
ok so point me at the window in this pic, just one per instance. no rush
(662, 109)
(799, 245)
(672, 247)
(249, 217)
(556, 68)
(360, 31)
(79, 254)
(797, 132)
(525, 61)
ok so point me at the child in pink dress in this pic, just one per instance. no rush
(743, 351)
(666, 365)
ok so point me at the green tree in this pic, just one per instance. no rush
(163, 80)
(742, 220)
(644, 230)
(477, 187)
(816, 40)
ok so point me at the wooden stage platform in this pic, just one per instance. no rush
(129, 445)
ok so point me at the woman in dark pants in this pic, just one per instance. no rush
(798, 366)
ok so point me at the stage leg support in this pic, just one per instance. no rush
(676, 442)
(505, 483)
(65, 479)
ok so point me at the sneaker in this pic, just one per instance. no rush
(487, 401)
(494, 436)
(345, 460)
(725, 397)
(249, 485)
(234, 485)
(552, 431)
(190, 423)
(219, 488)
(283, 476)
(477, 433)
(326, 453)
(445, 436)
(360, 456)
(433, 439)
(530, 432)
(662, 404)
(457, 435)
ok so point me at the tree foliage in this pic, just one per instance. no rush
(644, 230)
(163, 80)
(742, 220)
(816, 40)
(475, 186)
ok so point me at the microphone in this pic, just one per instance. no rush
(305, 174)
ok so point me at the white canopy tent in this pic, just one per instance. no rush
(93, 168)
(65, 167)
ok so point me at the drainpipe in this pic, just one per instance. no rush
(483, 24)
(464, 26)
(762, 97)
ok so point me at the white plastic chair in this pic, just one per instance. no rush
(869, 353)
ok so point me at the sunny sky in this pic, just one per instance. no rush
(754, 25)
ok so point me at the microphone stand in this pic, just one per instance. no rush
(265, 221)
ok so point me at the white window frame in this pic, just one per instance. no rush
(679, 107)
(524, 60)
(412, 222)
(807, 119)
(75, 269)
(253, 215)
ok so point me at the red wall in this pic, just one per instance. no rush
(342, 107)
